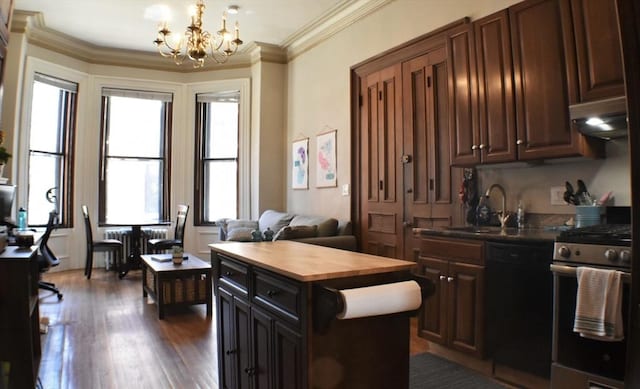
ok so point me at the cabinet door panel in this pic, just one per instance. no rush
(495, 88)
(466, 296)
(261, 335)
(381, 147)
(463, 95)
(432, 323)
(595, 25)
(226, 348)
(540, 79)
(243, 343)
(288, 358)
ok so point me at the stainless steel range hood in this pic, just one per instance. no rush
(606, 119)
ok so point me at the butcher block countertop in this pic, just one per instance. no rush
(307, 262)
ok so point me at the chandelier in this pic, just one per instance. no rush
(198, 44)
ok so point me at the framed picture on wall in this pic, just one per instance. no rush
(326, 169)
(300, 165)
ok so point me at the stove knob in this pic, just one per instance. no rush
(564, 251)
(625, 256)
(611, 255)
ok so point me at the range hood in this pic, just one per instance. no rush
(605, 119)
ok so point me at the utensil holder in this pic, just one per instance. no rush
(588, 215)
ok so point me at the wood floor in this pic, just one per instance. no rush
(103, 334)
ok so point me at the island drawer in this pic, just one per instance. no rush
(234, 273)
(278, 294)
(460, 250)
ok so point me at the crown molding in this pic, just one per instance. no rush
(32, 25)
(341, 16)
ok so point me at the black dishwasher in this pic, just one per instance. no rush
(519, 305)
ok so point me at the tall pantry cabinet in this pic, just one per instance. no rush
(402, 147)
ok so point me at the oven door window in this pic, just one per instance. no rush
(602, 358)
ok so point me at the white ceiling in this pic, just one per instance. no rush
(121, 23)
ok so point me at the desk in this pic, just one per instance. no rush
(133, 258)
(19, 315)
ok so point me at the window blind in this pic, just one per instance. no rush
(138, 94)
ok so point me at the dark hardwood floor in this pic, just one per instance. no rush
(103, 334)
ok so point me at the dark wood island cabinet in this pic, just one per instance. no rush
(273, 330)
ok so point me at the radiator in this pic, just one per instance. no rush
(124, 235)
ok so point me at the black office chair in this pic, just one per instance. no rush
(157, 245)
(46, 258)
(106, 245)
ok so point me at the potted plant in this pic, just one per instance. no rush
(4, 158)
(176, 254)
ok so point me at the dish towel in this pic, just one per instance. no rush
(599, 304)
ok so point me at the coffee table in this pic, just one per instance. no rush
(176, 285)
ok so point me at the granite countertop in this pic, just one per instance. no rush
(490, 233)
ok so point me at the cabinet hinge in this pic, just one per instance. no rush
(360, 100)
(380, 95)
(429, 82)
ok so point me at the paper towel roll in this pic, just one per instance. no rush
(380, 299)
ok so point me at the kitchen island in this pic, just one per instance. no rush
(276, 308)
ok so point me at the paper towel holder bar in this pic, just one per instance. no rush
(328, 302)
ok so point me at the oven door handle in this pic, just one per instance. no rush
(571, 271)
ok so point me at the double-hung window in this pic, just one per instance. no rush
(51, 138)
(217, 156)
(135, 156)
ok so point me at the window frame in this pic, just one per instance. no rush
(243, 189)
(167, 113)
(67, 129)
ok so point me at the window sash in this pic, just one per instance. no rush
(110, 162)
(208, 195)
(59, 179)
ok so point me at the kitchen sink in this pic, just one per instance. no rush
(473, 229)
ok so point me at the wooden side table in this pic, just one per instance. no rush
(176, 285)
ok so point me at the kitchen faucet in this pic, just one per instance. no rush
(504, 216)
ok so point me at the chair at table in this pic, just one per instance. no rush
(46, 257)
(106, 245)
(157, 245)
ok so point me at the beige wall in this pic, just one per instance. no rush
(318, 89)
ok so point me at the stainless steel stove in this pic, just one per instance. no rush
(579, 361)
(604, 245)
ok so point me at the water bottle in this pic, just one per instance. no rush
(520, 215)
(22, 219)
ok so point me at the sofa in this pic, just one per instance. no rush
(274, 225)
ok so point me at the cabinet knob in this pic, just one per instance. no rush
(474, 147)
(272, 293)
(481, 147)
(249, 371)
(442, 278)
(519, 142)
(228, 274)
(407, 224)
(229, 352)
(450, 279)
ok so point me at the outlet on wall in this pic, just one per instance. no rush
(557, 194)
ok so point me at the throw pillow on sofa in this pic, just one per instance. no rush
(326, 226)
(274, 220)
(236, 230)
(296, 232)
(241, 234)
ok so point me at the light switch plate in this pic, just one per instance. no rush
(345, 190)
(557, 194)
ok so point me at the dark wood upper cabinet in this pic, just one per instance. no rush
(545, 82)
(463, 113)
(496, 113)
(598, 53)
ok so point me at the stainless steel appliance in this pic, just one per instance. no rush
(580, 362)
